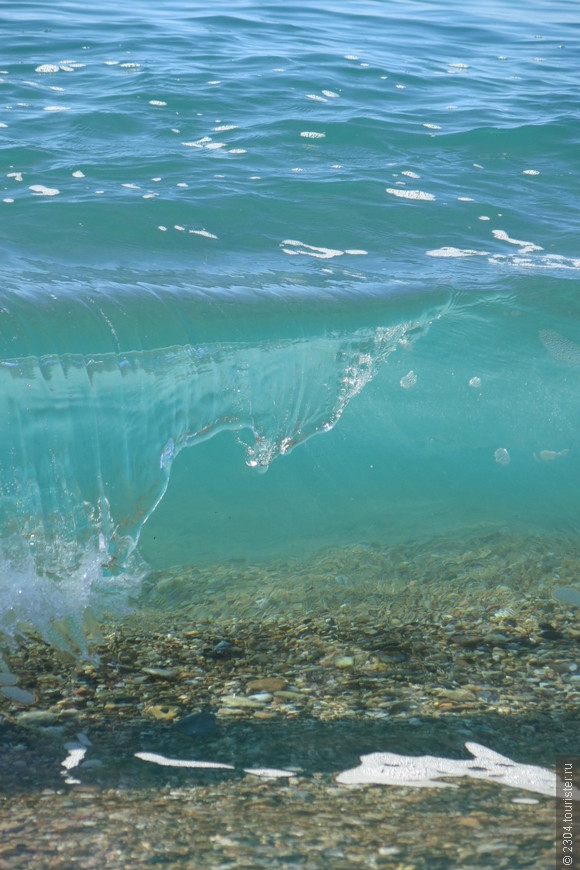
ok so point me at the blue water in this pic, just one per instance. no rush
(232, 229)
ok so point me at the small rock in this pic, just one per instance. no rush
(18, 695)
(7, 679)
(289, 696)
(266, 684)
(161, 712)
(197, 724)
(240, 701)
(344, 662)
(162, 673)
(37, 717)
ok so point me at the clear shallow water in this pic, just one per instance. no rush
(233, 231)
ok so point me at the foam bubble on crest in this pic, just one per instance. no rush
(41, 190)
(237, 151)
(410, 174)
(47, 68)
(311, 134)
(316, 97)
(410, 194)
(204, 233)
(332, 95)
(526, 247)
(409, 380)
(78, 174)
(427, 771)
(432, 126)
(455, 252)
(530, 172)
(56, 108)
(157, 103)
(293, 246)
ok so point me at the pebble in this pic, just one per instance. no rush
(7, 679)
(290, 696)
(162, 673)
(266, 684)
(240, 701)
(158, 711)
(344, 662)
(197, 723)
(18, 695)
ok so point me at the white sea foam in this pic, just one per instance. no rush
(311, 134)
(204, 233)
(8, 200)
(157, 103)
(56, 108)
(293, 246)
(41, 190)
(316, 97)
(78, 174)
(130, 65)
(409, 380)
(332, 95)
(131, 186)
(224, 128)
(17, 176)
(47, 68)
(455, 252)
(410, 174)
(427, 771)
(526, 247)
(162, 228)
(403, 193)
(432, 126)
(237, 151)
(530, 172)
(164, 761)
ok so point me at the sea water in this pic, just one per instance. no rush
(226, 231)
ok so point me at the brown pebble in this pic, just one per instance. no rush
(266, 684)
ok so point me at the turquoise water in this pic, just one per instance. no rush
(234, 230)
